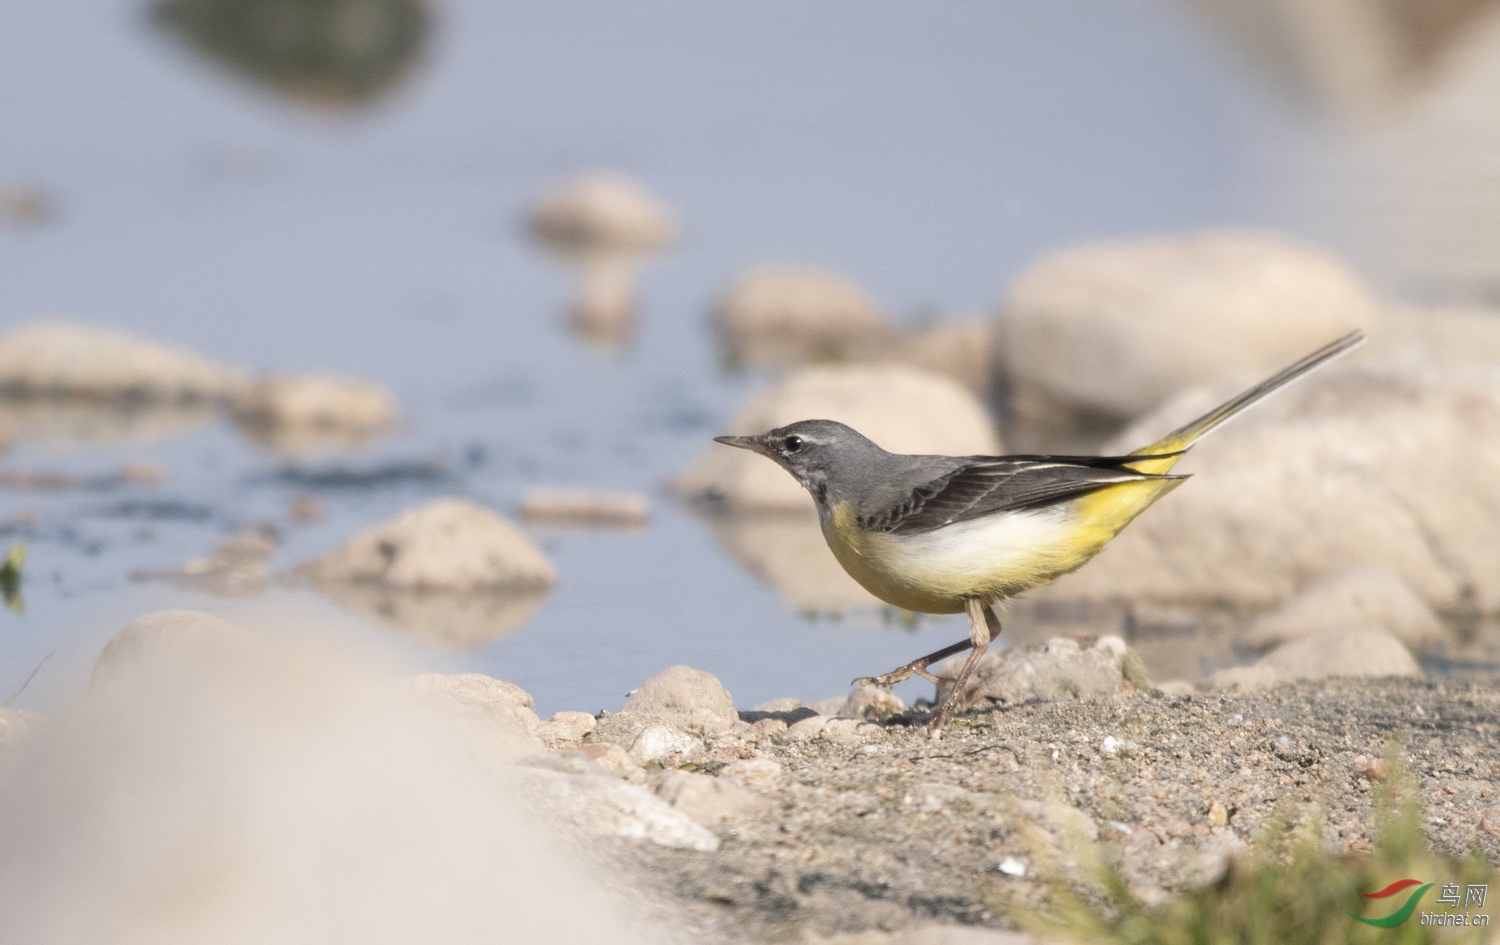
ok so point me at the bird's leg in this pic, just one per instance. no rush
(982, 624)
(917, 667)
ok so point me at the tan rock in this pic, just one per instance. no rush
(1357, 599)
(965, 351)
(783, 315)
(449, 544)
(56, 358)
(682, 693)
(1356, 467)
(565, 730)
(1112, 330)
(1329, 653)
(902, 409)
(787, 552)
(602, 212)
(1058, 669)
(297, 413)
(711, 802)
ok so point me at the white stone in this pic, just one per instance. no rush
(901, 409)
(603, 212)
(607, 807)
(1058, 669)
(565, 729)
(665, 745)
(481, 694)
(1011, 866)
(711, 801)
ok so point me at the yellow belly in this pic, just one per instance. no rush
(992, 557)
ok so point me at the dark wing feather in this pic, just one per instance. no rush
(991, 484)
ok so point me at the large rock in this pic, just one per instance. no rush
(778, 316)
(1058, 669)
(902, 409)
(65, 359)
(1437, 337)
(789, 554)
(600, 805)
(1110, 331)
(294, 413)
(1357, 599)
(1353, 467)
(1326, 654)
(712, 802)
(448, 545)
(965, 351)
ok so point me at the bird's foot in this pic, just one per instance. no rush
(901, 674)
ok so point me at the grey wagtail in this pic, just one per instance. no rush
(950, 534)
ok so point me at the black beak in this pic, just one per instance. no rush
(751, 443)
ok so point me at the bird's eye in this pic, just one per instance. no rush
(793, 444)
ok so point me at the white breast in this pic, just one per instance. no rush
(993, 555)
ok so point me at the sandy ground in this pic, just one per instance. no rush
(885, 827)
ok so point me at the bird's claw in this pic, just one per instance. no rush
(884, 682)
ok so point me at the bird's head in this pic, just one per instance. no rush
(815, 452)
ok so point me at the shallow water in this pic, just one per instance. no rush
(929, 152)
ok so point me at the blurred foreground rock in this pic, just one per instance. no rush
(181, 637)
(1323, 655)
(450, 572)
(1058, 669)
(303, 413)
(1355, 467)
(785, 315)
(902, 409)
(1102, 334)
(64, 359)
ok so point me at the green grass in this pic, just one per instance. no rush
(1287, 890)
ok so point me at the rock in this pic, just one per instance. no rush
(665, 745)
(1354, 467)
(1218, 814)
(603, 224)
(871, 703)
(1342, 653)
(1322, 655)
(784, 704)
(602, 213)
(1357, 599)
(607, 807)
(614, 761)
(1110, 331)
(778, 316)
(1371, 769)
(847, 731)
(1058, 669)
(763, 774)
(449, 545)
(565, 730)
(711, 801)
(299, 413)
(807, 728)
(965, 351)
(1441, 338)
(902, 409)
(481, 695)
(1177, 687)
(66, 359)
(176, 635)
(767, 727)
(583, 509)
(694, 697)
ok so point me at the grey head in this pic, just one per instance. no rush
(832, 461)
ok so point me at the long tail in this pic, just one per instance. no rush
(1166, 451)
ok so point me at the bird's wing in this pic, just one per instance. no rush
(990, 484)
